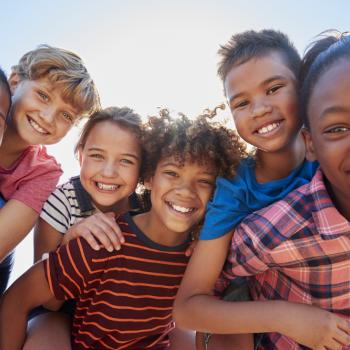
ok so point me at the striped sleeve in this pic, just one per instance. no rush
(57, 211)
(69, 269)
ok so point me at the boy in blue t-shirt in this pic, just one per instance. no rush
(259, 71)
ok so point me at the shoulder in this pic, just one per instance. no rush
(281, 220)
(238, 183)
(62, 202)
(38, 157)
(36, 162)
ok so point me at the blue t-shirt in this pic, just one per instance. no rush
(235, 198)
(2, 201)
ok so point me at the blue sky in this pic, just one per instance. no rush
(150, 53)
(146, 54)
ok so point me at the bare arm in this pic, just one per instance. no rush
(29, 291)
(196, 291)
(46, 239)
(197, 308)
(16, 221)
(224, 342)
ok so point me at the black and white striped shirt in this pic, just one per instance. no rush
(68, 204)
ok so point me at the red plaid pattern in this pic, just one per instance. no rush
(297, 249)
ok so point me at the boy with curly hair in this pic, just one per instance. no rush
(124, 298)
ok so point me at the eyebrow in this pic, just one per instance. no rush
(334, 110)
(177, 165)
(263, 83)
(46, 88)
(123, 154)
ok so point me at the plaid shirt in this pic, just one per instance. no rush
(297, 249)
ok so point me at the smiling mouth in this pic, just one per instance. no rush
(180, 209)
(37, 127)
(107, 187)
(268, 128)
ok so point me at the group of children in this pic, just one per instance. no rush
(273, 254)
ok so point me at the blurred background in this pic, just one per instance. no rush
(148, 54)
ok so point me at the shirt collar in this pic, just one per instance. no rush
(83, 198)
(329, 222)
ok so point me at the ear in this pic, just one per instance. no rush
(310, 151)
(79, 155)
(14, 80)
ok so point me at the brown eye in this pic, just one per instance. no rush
(67, 117)
(273, 89)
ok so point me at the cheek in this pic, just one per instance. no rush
(63, 129)
(131, 175)
(291, 105)
(87, 169)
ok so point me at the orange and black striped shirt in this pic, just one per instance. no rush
(124, 298)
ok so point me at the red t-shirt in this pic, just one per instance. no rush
(32, 178)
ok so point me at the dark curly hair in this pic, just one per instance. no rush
(199, 140)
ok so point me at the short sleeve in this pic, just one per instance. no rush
(35, 192)
(32, 179)
(226, 210)
(57, 211)
(69, 269)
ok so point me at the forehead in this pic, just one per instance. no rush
(107, 132)
(253, 72)
(189, 165)
(331, 90)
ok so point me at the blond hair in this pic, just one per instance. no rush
(63, 69)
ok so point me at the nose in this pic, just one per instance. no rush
(186, 189)
(48, 115)
(110, 169)
(261, 107)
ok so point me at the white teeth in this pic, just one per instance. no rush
(37, 127)
(106, 187)
(268, 128)
(181, 209)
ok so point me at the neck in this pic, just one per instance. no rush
(11, 148)
(149, 226)
(340, 200)
(277, 165)
(118, 208)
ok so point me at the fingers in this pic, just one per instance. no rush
(89, 237)
(343, 336)
(340, 337)
(333, 345)
(101, 228)
(344, 325)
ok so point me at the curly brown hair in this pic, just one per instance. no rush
(199, 140)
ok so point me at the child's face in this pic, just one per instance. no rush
(179, 195)
(110, 164)
(328, 140)
(39, 114)
(262, 97)
(4, 109)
